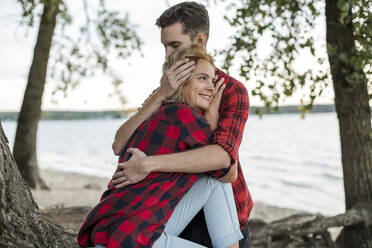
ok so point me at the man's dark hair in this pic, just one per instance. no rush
(193, 16)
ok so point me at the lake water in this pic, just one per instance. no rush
(287, 161)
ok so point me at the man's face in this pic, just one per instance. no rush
(173, 38)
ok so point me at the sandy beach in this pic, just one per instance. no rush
(79, 192)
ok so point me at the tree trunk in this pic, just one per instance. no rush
(354, 116)
(21, 223)
(25, 141)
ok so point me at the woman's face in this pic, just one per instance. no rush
(198, 91)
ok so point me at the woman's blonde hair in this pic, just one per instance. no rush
(194, 53)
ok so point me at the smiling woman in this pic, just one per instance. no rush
(198, 90)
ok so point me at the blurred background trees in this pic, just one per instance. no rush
(65, 57)
(343, 56)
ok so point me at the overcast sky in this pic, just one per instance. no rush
(140, 74)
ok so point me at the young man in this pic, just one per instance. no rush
(181, 26)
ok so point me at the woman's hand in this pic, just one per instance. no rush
(211, 115)
(134, 170)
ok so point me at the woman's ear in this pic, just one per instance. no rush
(201, 39)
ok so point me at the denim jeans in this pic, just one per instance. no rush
(197, 232)
(217, 200)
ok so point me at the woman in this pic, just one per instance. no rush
(141, 215)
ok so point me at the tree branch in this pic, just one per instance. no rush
(306, 227)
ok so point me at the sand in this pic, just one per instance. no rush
(69, 189)
(72, 195)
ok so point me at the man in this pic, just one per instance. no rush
(181, 26)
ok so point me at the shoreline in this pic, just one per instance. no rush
(68, 189)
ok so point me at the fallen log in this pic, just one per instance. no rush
(308, 230)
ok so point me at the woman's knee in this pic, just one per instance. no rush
(213, 183)
(208, 181)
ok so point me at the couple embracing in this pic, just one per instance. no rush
(179, 182)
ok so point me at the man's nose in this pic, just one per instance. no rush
(168, 51)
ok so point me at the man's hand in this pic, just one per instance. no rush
(232, 175)
(171, 79)
(175, 76)
(133, 171)
(212, 113)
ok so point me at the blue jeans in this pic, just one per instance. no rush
(217, 200)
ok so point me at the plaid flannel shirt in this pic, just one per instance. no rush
(135, 215)
(233, 113)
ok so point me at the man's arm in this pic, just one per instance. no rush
(127, 129)
(227, 138)
(206, 158)
(232, 175)
(169, 82)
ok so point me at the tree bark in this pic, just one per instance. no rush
(25, 141)
(354, 116)
(21, 223)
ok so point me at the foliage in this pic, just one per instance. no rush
(359, 14)
(292, 28)
(77, 54)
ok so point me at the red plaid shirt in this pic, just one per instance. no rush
(135, 215)
(233, 114)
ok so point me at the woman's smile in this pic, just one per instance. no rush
(207, 97)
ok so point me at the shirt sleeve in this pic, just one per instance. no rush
(233, 114)
(196, 132)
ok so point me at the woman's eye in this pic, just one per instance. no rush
(202, 78)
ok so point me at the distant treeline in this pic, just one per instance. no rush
(72, 115)
(295, 109)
